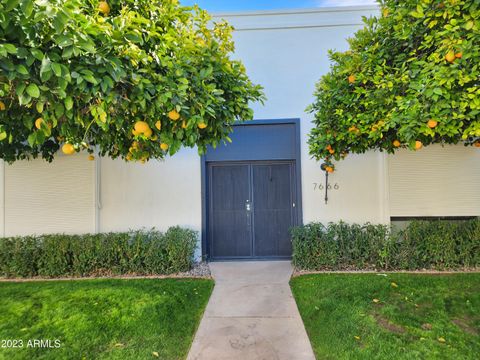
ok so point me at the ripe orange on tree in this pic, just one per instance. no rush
(104, 8)
(432, 123)
(141, 127)
(450, 56)
(68, 149)
(173, 115)
(38, 123)
(148, 133)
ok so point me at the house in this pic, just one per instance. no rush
(244, 197)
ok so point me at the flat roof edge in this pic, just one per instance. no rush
(295, 11)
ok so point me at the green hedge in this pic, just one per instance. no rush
(134, 252)
(433, 244)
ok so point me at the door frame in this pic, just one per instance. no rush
(296, 162)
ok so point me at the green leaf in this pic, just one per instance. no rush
(24, 99)
(416, 14)
(40, 139)
(67, 52)
(11, 49)
(420, 10)
(22, 70)
(60, 21)
(32, 139)
(68, 103)
(90, 78)
(45, 70)
(33, 90)
(27, 7)
(64, 41)
(59, 110)
(20, 89)
(39, 106)
(11, 4)
(57, 69)
(3, 135)
(88, 46)
(37, 54)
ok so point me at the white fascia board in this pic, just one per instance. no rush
(301, 18)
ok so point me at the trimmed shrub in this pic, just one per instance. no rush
(437, 244)
(19, 256)
(134, 252)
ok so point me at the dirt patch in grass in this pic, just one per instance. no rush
(387, 325)
(427, 326)
(464, 324)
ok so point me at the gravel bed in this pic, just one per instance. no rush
(200, 269)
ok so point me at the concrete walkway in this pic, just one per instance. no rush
(251, 315)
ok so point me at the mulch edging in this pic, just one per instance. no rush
(298, 272)
(199, 271)
(114, 277)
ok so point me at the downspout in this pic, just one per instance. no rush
(2, 198)
(384, 195)
(98, 185)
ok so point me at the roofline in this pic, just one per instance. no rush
(294, 11)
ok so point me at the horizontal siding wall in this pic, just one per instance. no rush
(57, 197)
(435, 181)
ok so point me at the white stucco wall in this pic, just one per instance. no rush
(287, 52)
(156, 194)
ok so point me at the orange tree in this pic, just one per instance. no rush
(410, 78)
(136, 79)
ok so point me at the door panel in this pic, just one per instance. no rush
(230, 231)
(272, 199)
(250, 209)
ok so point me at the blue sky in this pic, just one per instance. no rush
(234, 5)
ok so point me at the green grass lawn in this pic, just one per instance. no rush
(103, 319)
(365, 316)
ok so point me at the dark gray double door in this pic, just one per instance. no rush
(251, 209)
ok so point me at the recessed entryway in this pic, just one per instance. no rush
(252, 193)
